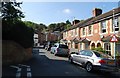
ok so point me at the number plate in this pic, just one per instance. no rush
(111, 63)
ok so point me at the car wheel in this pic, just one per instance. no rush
(89, 67)
(70, 59)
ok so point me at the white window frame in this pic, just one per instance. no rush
(72, 33)
(115, 22)
(103, 27)
(108, 49)
(83, 31)
(91, 30)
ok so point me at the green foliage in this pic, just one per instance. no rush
(100, 49)
(11, 12)
(30, 24)
(117, 53)
(12, 26)
(59, 26)
(19, 33)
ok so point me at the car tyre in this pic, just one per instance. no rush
(89, 67)
(70, 59)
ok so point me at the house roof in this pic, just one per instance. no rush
(96, 19)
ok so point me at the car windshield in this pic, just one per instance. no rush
(63, 46)
(102, 55)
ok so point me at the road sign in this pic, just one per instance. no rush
(114, 38)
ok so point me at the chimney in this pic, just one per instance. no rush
(96, 12)
(75, 22)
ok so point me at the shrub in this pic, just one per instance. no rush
(19, 33)
(100, 49)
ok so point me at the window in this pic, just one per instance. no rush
(76, 31)
(63, 46)
(80, 46)
(76, 45)
(71, 32)
(83, 32)
(88, 53)
(103, 26)
(115, 24)
(107, 48)
(117, 48)
(82, 52)
(90, 30)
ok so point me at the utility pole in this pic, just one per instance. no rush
(114, 31)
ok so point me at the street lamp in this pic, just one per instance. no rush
(114, 35)
(46, 36)
(114, 30)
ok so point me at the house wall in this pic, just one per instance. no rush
(95, 37)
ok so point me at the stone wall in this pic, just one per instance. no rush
(13, 53)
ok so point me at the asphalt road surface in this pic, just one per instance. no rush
(45, 64)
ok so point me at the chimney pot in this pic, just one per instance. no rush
(97, 11)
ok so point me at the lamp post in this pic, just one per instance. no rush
(46, 36)
(114, 31)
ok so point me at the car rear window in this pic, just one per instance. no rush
(100, 54)
(63, 46)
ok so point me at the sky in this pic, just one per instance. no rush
(56, 12)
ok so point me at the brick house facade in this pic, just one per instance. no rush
(95, 31)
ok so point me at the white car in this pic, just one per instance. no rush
(59, 49)
(93, 60)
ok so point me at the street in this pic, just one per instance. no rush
(46, 64)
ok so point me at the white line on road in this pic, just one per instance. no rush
(18, 73)
(29, 75)
(28, 69)
(24, 65)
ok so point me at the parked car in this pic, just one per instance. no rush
(93, 60)
(59, 49)
(49, 45)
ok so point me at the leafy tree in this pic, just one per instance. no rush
(13, 28)
(11, 12)
(51, 27)
(30, 24)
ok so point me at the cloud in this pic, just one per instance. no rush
(67, 11)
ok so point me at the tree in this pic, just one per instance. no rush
(51, 27)
(30, 24)
(68, 24)
(11, 12)
(13, 28)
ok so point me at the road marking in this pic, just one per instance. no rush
(29, 75)
(18, 73)
(28, 69)
(41, 54)
(24, 65)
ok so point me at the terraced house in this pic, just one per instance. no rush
(95, 32)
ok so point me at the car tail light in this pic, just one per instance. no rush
(102, 61)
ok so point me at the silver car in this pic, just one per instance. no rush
(93, 60)
(59, 49)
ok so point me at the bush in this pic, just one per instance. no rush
(100, 49)
(19, 33)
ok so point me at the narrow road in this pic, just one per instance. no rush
(46, 64)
